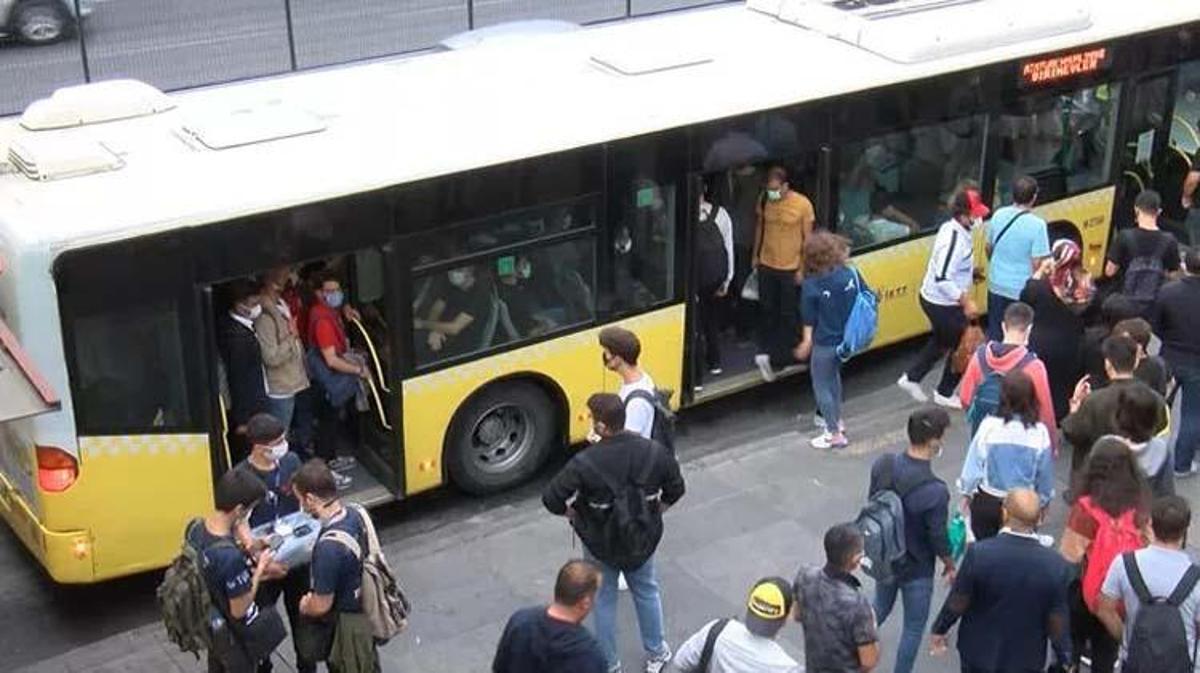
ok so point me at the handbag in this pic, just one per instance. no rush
(262, 635)
(970, 341)
(750, 287)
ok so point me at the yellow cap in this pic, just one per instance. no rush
(767, 602)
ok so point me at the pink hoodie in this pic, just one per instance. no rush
(1035, 369)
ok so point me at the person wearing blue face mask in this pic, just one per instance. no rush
(327, 335)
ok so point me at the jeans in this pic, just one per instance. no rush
(826, 374)
(996, 305)
(647, 602)
(779, 306)
(917, 595)
(949, 323)
(282, 408)
(1188, 441)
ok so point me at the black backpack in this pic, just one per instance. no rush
(625, 532)
(712, 259)
(881, 522)
(1146, 274)
(663, 429)
(1158, 639)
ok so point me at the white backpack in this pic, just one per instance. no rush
(383, 601)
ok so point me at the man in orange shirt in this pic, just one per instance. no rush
(785, 219)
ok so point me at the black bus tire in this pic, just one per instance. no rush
(39, 22)
(500, 437)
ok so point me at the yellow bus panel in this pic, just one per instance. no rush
(571, 362)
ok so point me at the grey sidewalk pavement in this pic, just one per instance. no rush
(754, 510)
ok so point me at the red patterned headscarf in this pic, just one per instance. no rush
(1069, 279)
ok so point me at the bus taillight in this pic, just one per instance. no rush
(57, 469)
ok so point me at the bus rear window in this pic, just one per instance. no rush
(129, 370)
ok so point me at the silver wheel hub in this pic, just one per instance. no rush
(501, 438)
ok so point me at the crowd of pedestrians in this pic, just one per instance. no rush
(1118, 590)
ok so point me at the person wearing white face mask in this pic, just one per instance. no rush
(946, 297)
(456, 319)
(242, 357)
(272, 463)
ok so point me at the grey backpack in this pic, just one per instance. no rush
(383, 601)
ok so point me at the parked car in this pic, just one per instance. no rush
(40, 22)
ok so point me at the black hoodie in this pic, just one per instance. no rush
(534, 642)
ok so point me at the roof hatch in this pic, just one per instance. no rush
(645, 57)
(23, 390)
(95, 103)
(251, 124)
(914, 31)
(54, 158)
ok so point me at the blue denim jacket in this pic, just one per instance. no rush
(1003, 456)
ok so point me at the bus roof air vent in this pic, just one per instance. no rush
(914, 31)
(646, 57)
(94, 104)
(249, 125)
(52, 158)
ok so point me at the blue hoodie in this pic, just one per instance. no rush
(535, 642)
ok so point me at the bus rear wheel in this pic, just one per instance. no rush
(500, 437)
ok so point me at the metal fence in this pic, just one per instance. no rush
(176, 44)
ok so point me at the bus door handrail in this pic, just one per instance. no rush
(225, 431)
(378, 405)
(374, 355)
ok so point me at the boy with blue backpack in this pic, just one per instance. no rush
(839, 321)
(981, 382)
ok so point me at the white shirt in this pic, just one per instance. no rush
(951, 265)
(725, 226)
(736, 651)
(639, 414)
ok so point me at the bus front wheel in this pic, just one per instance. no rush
(500, 437)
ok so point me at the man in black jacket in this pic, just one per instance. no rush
(552, 639)
(581, 492)
(1011, 594)
(242, 357)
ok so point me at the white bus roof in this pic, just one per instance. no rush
(397, 121)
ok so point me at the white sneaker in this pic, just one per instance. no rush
(716, 371)
(951, 402)
(657, 663)
(913, 389)
(622, 585)
(827, 441)
(697, 389)
(764, 367)
(342, 481)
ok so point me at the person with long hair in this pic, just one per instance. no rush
(1139, 420)
(827, 296)
(1060, 291)
(1110, 491)
(1012, 449)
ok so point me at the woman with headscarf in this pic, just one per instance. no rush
(1059, 292)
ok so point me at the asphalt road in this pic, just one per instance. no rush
(39, 619)
(185, 44)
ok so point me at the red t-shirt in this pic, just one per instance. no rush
(325, 328)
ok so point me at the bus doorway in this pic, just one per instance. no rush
(310, 343)
(732, 330)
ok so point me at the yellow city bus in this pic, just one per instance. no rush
(562, 173)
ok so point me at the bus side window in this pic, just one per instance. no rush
(894, 185)
(1065, 141)
(641, 247)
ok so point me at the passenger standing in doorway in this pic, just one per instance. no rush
(243, 361)
(1017, 243)
(713, 273)
(828, 296)
(327, 335)
(946, 298)
(620, 350)
(1177, 323)
(274, 465)
(282, 352)
(785, 219)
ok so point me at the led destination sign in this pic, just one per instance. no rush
(1064, 66)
